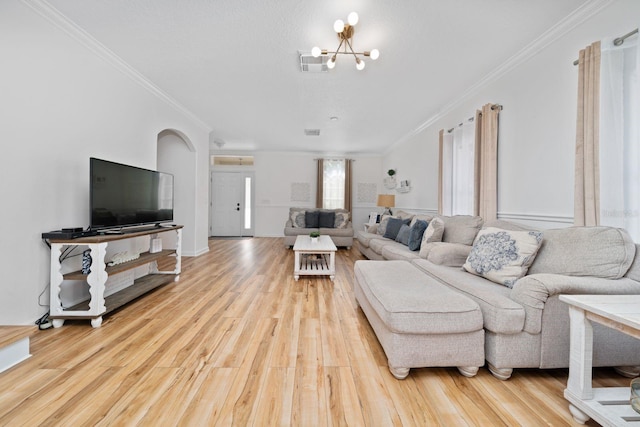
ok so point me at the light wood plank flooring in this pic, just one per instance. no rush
(238, 342)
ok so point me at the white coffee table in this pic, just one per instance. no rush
(314, 258)
(609, 406)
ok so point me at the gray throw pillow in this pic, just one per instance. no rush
(311, 219)
(416, 232)
(403, 235)
(393, 227)
(326, 219)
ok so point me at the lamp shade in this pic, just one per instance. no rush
(386, 200)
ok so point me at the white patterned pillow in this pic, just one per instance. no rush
(342, 219)
(297, 219)
(503, 256)
(433, 233)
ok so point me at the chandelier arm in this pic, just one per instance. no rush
(352, 52)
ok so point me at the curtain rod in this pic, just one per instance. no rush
(470, 119)
(617, 42)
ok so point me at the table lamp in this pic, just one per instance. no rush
(387, 201)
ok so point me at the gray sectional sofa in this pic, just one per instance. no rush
(525, 324)
(340, 231)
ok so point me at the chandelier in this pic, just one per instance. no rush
(345, 35)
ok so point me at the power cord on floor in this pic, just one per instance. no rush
(44, 322)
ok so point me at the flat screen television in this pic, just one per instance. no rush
(127, 196)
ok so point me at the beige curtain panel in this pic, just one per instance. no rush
(486, 203)
(587, 167)
(320, 184)
(348, 165)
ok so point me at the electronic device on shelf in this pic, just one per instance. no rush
(128, 196)
(68, 233)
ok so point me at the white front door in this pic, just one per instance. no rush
(231, 204)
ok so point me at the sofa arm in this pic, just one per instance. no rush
(373, 229)
(449, 254)
(533, 291)
(288, 224)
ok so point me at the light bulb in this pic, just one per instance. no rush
(352, 19)
(316, 51)
(338, 26)
(360, 64)
(374, 54)
(331, 63)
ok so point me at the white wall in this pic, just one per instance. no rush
(275, 172)
(61, 104)
(537, 129)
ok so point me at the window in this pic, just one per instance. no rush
(333, 183)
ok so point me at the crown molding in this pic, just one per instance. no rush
(565, 25)
(50, 13)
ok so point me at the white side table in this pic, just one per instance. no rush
(608, 406)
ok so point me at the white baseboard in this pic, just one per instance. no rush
(14, 353)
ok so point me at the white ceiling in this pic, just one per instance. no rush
(234, 63)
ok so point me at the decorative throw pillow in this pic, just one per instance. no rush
(503, 256)
(416, 231)
(326, 219)
(342, 219)
(311, 219)
(297, 219)
(434, 231)
(403, 234)
(382, 227)
(393, 227)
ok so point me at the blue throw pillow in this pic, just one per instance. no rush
(403, 235)
(311, 219)
(393, 227)
(415, 234)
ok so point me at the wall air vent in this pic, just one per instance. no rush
(312, 132)
(309, 64)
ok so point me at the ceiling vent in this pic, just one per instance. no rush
(312, 132)
(309, 64)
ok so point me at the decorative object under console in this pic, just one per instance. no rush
(99, 305)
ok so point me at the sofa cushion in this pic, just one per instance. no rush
(326, 219)
(605, 252)
(433, 233)
(311, 219)
(398, 251)
(376, 245)
(416, 232)
(341, 220)
(393, 227)
(420, 217)
(297, 219)
(450, 254)
(403, 215)
(460, 228)
(503, 256)
(501, 314)
(409, 301)
(364, 238)
(403, 235)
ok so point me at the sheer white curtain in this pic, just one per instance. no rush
(458, 175)
(619, 135)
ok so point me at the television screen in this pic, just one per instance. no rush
(123, 195)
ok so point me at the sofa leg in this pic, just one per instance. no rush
(500, 373)
(468, 371)
(399, 373)
(628, 371)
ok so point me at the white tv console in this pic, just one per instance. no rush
(98, 305)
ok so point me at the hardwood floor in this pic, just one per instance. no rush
(238, 342)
